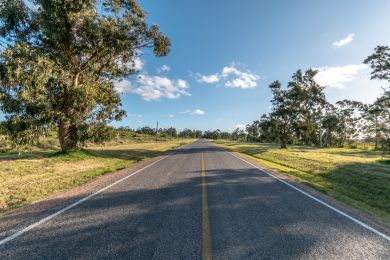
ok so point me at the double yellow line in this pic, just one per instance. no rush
(206, 242)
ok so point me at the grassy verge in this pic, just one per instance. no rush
(31, 176)
(358, 177)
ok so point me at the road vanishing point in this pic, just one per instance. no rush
(198, 202)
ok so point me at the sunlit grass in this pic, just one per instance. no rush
(31, 176)
(358, 177)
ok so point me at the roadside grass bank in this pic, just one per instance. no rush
(357, 177)
(31, 176)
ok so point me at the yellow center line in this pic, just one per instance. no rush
(206, 242)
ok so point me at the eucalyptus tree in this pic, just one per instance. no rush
(372, 123)
(60, 59)
(187, 133)
(268, 129)
(171, 131)
(329, 123)
(377, 115)
(226, 135)
(283, 112)
(308, 98)
(379, 62)
(198, 133)
(349, 115)
(253, 131)
(236, 134)
(384, 104)
(146, 130)
(377, 121)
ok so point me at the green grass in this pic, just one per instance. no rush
(358, 177)
(30, 176)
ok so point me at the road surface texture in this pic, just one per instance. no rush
(200, 202)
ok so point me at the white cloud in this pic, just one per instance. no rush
(198, 112)
(138, 64)
(240, 79)
(122, 86)
(344, 41)
(163, 68)
(209, 79)
(171, 116)
(154, 87)
(240, 126)
(232, 78)
(185, 112)
(337, 77)
(362, 89)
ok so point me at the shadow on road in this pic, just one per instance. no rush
(252, 216)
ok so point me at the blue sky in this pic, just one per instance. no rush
(225, 54)
(262, 40)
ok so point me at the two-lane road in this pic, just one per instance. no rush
(199, 202)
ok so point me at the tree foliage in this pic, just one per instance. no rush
(297, 109)
(302, 115)
(59, 62)
(380, 63)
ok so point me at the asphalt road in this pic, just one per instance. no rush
(199, 202)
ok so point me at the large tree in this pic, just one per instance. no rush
(283, 112)
(377, 115)
(60, 59)
(308, 97)
(379, 62)
(268, 128)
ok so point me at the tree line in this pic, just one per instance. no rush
(301, 114)
(163, 132)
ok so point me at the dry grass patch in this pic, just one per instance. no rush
(358, 177)
(29, 177)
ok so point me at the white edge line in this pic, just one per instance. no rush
(40, 222)
(318, 200)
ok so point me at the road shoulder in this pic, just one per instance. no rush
(364, 217)
(17, 219)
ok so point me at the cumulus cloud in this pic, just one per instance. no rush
(171, 116)
(163, 68)
(239, 79)
(240, 126)
(344, 41)
(122, 86)
(198, 112)
(338, 77)
(214, 78)
(232, 78)
(138, 64)
(154, 87)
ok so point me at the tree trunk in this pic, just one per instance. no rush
(67, 135)
(376, 133)
(283, 145)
